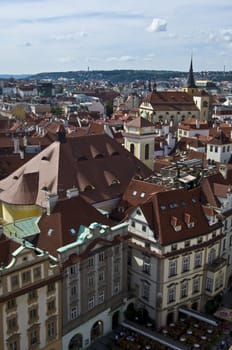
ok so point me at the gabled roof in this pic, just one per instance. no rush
(79, 162)
(139, 122)
(62, 226)
(169, 214)
(212, 186)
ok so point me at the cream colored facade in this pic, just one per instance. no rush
(94, 293)
(165, 278)
(140, 141)
(30, 304)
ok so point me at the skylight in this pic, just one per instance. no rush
(142, 195)
(134, 193)
(72, 231)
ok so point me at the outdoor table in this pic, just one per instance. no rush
(172, 324)
(189, 331)
(165, 331)
(196, 346)
(149, 324)
(203, 337)
(196, 325)
(210, 331)
(148, 347)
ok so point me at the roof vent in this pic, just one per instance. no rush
(50, 231)
(72, 192)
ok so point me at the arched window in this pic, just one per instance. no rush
(147, 151)
(132, 148)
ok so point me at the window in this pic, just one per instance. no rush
(147, 264)
(101, 297)
(116, 250)
(174, 246)
(116, 267)
(172, 267)
(184, 289)
(101, 257)
(199, 240)
(219, 281)
(116, 288)
(132, 223)
(223, 149)
(132, 148)
(196, 284)
(228, 148)
(32, 295)
(13, 345)
(129, 256)
(101, 276)
(73, 290)
(26, 276)
(12, 324)
(144, 228)
(51, 329)
(73, 270)
(74, 313)
(51, 287)
(34, 337)
(51, 306)
(134, 193)
(146, 291)
(185, 263)
(91, 262)
(211, 148)
(211, 256)
(187, 243)
(33, 314)
(146, 151)
(230, 241)
(14, 281)
(91, 281)
(91, 303)
(171, 294)
(209, 284)
(198, 259)
(11, 304)
(224, 244)
(37, 272)
(216, 149)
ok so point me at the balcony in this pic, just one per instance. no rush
(216, 265)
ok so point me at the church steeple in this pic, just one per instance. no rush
(190, 86)
(190, 80)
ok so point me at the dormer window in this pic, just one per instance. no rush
(188, 220)
(175, 224)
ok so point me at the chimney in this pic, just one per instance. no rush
(50, 201)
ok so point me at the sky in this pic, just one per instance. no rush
(53, 35)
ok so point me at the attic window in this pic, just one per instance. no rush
(80, 159)
(194, 200)
(44, 158)
(72, 231)
(89, 188)
(115, 153)
(183, 203)
(163, 207)
(134, 193)
(15, 177)
(142, 195)
(173, 205)
(98, 156)
(115, 182)
(138, 212)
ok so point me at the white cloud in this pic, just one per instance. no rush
(227, 35)
(157, 25)
(68, 36)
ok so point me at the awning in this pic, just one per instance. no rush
(198, 316)
(155, 336)
(224, 314)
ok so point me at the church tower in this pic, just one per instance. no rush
(191, 87)
(139, 139)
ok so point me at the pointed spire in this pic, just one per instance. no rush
(190, 79)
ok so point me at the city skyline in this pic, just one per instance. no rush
(48, 35)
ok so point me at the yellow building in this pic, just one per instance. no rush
(139, 139)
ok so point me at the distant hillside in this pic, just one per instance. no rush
(121, 76)
(14, 76)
